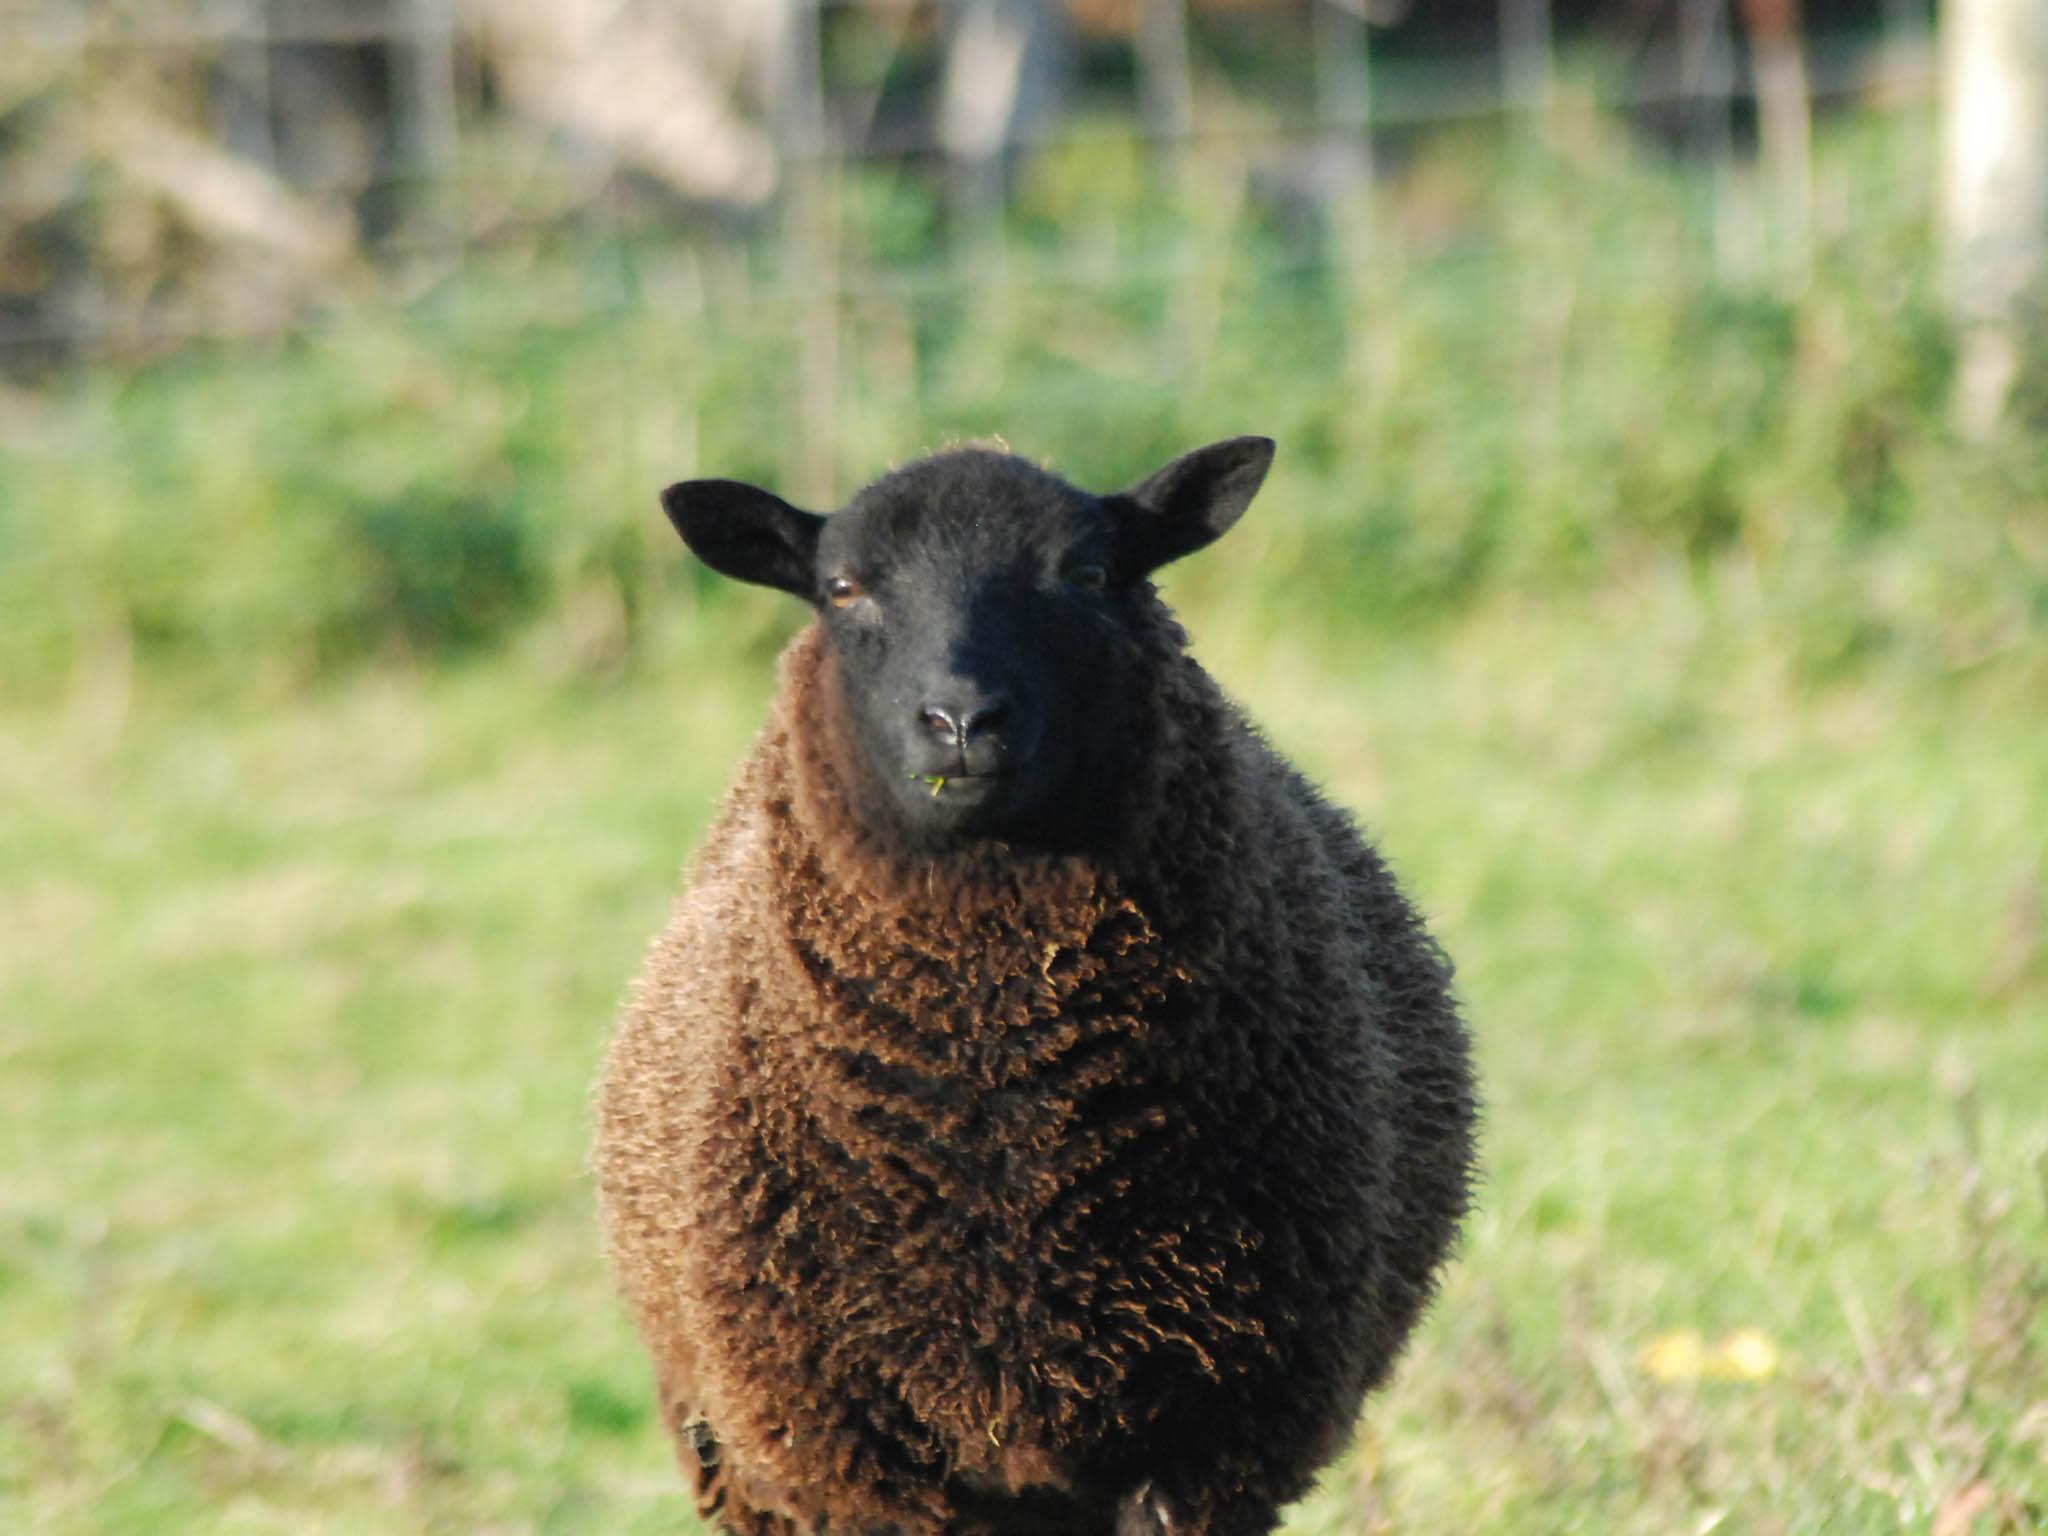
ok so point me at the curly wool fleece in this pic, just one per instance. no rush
(968, 1195)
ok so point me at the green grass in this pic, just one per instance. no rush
(301, 1001)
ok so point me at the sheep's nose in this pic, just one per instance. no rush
(965, 720)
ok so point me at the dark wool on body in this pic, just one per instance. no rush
(1042, 1112)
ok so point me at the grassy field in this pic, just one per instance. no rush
(302, 1001)
(357, 714)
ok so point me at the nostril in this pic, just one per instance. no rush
(987, 718)
(969, 720)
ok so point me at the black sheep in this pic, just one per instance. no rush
(1042, 1112)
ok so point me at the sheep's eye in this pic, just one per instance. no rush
(841, 591)
(1089, 578)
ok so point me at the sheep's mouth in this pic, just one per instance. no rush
(962, 804)
(948, 786)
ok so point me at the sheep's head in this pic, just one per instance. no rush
(985, 617)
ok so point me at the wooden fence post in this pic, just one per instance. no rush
(1994, 192)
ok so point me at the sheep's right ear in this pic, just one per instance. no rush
(749, 534)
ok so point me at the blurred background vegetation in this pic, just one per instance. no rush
(1657, 558)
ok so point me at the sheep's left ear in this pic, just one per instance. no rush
(1191, 502)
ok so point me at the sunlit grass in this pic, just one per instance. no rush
(362, 714)
(300, 999)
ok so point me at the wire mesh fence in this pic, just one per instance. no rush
(252, 169)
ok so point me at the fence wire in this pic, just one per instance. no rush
(336, 152)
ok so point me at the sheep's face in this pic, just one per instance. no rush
(985, 619)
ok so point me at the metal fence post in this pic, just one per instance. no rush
(424, 101)
(810, 223)
(1528, 71)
